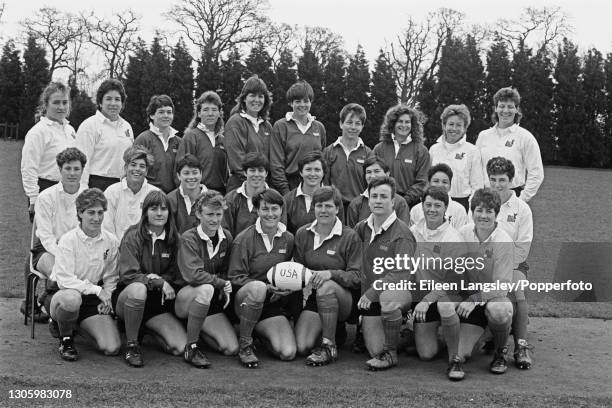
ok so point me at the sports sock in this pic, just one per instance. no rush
(133, 310)
(328, 311)
(195, 318)
(450, 331)
(392, 322)
(250, 311)
(520, 320)
(500, 334)
(66, 320)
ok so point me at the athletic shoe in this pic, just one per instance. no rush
(40, 315)
(194, 356)
(54, 328)
(133, 355)
(383, 361)
(341, 334)
(522, 357)
(455, 369)
(358, 345)
(66, 349)
(498, 365)
(323, 355)
(247, 356)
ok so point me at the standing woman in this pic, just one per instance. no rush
(247, 130)
(204, 139)
(461, 156)
(507, 139)
(51, 135)
(401, 148)
(163, 143)
(149, 280)
(297, 134)
(104, 137)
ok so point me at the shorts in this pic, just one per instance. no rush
(477, 317)
(432, 314)
(289, 306)
(89, 305)
(37, 252)
(153, 306)
(311, 303)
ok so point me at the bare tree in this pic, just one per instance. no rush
(321, 39)
(115, 38)
(547, 25)
(277, 38)
(415, 54)
(220, 25)
(57, 30)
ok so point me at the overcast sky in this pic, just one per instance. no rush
(368, 22)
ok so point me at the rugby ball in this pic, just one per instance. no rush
(289, 276)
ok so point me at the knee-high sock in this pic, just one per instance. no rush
(66, 319)
(519, 321)
(195, 318)
(500, 334)
(133, 310)
(450, 331)
(328, 311)
(392, 322)
(250, 311)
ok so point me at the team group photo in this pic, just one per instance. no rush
(270, 225)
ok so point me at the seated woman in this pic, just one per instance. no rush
(437, 241)
(149, 279)
(299, 204)
(384, 236)
(86, 258)
(203, 260)
(485, 239)
(259, 305)
(359, 207)
(333, 253)
(181, 199)
(516, 219)
(125, 197)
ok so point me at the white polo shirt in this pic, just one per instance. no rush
(455, 214)
(516, 220)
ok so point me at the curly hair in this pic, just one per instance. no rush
(70, 154)
(254, 85)
(90, 198)
(212, 98)
(136, 152)
(212, 199)
(487, 198)
(500, 165)
(393, 115)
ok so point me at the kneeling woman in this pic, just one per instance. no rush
(261, 306)
(87, 256)
(333, 252)
(203, 260)
(148, 279)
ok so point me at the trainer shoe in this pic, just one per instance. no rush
(133, 355)
(194, 356)
(40, 315)
(455, 369)
(54, 328)
(498, 365)
(247, 356)
(383, 361)
(66, 349)
(522, 357)
(323, 355)
(358, 345)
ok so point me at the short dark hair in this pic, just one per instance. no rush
(487, 198)
(372, 160)
(90, 198)
(189, 160)
(70, 154)
(312, 157)
(353, 109)
(136, 152)
(440, 167)
(500, 165)
(156, 102)
(212, 199)
(382, 181)
(255, 160)
(326, 193)
(154, 199)
(212, 98)
(437, 193)
(110, 85)
(270, 196)
(300, 90)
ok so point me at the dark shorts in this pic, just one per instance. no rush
(101, 182)
(432, 314)
(153, 306)
(477, 317)
(37, 252)
(89, 305)
(464, 201)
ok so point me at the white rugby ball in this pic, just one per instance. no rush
(289, 276)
